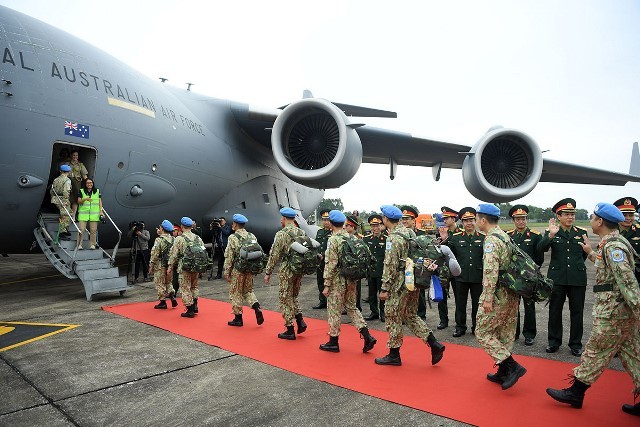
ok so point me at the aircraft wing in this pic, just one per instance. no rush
(556, 171)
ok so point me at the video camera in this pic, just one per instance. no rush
(136, 226)
(215, 224)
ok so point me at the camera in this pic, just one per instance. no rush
(215, 223)
(136, 226)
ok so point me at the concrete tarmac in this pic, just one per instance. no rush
(115, 371)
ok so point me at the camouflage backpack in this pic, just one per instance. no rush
(523, 275)
(195, 258)
(251, 258)
(304, 254)
(355, 261)
(426, 247)
(165, 250)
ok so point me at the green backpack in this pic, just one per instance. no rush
(165, 250)
(195, 258)
(252, 258)
(421, 249)
(355, 261)
(523, 275)
(304, 255)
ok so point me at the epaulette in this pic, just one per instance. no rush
(368, 235)
(511, 231)
(580, 228)
(534, 231)
(458, 233)
(482, 233)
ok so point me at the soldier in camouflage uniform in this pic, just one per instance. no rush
(616, 311)
(240, 284)
(62, 186)
(496, 319)
(158, 263)
(629, 229)
(409, 215)
(322, 236)
(188, 279)
(401, 305)
(340, 291)
(288, 283)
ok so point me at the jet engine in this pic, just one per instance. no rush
(504, 165)
(314, 144)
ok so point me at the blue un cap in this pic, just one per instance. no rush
(609, 212)
(240, 219)
(288, 212)
(488, 209)
(337, 217)
(65, 168)
(186, 221)
(391, 212)
(166, 225)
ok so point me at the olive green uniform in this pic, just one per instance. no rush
(376, 245)
(443, 307)
(632, 234)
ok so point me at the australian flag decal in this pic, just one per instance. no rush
(76, 129)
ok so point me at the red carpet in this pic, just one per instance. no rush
(455, 388)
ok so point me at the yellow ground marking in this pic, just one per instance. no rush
(63, 326)
(6, 329)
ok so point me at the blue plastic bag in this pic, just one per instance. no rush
(435, 290)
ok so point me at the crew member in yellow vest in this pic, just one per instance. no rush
(89, 211)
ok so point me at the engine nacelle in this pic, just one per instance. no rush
(504, 165)
(314, 144)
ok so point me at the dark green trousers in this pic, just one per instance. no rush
(320, 280)
(529, 325)
(376, 306)
(559, 294)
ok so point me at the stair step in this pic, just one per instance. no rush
(114, 284)
(92, 264)
(99, 273)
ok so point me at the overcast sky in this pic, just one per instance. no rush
(565, 72)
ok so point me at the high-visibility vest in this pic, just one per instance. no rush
(90, 209)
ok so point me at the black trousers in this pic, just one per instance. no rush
(359, 295)
(462, 290)
(443, 308)
(218, 254)
(142, 260)
(559, 294)
(320, 281)
(422, 303)
(376, 306)
(529, 325)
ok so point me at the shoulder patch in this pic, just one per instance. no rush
(534, 231)
(617, 255)
(488, 247)
(389, 245)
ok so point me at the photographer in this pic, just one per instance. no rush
(139, 248)
(220, 236)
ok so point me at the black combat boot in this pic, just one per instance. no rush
(499, 376)
(289, 334)
(572, 395)
(174, 303)
(259, 316)
(369, 340)
(437, 349)
(161, 305)
(514, 372)
(331, 345)
(393, 358)
(195, 305)
(301, 325)
(631, 409)
(237, 321)
(189, 313)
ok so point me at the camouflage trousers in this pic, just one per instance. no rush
(608, 337)
(188, 286)
(343, 293)
(495, 331)
(289, 285)
(65, 220)
(403, 308)
(162, 283)
(241, 291)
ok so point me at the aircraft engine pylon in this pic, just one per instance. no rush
(314, 144)
(504, 165)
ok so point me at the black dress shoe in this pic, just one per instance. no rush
(577, 352)
(372, 317)
(551, 349)
(319, 306)
(528, 341)
(442, 325)
(382, 319)
(458, 333)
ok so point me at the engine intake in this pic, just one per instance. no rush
(314, 144)
(504, 165)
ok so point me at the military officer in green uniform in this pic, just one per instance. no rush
(322, 236)
(528, 240)
(409, 215)
(449, 217)
(467, 247)
(616, 311)
(569, 275)
(376, 241)
(629, 229)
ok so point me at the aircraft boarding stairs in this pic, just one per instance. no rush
(93, 267)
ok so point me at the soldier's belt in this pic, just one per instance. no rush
(607, 287)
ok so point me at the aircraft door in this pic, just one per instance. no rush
(61, 153)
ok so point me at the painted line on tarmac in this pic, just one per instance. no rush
(15, 334)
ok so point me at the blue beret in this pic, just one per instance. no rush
(609, 212)
(488, 209)
(186, 221)
(288, 213)
(65, 168)
(240, 219)
(166, 225)
(391, 212)
(337, 216)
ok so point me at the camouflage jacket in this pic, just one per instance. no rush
(232, 252)
(332, 258)
(280, 248)
(495, 258)
(396, 251)
(614, 266)
(162, 244)
(62, 186)
(179, 245)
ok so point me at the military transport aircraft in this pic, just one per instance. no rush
(157, 151)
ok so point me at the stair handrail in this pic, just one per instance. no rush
(115, 249)
(65, 209)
